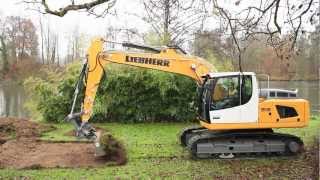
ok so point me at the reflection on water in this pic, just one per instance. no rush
(309, 90)
(12, 98)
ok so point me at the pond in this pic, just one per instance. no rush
(13, 96)
(12, 99)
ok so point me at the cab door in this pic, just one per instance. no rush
(225, 100)
(234, 99)
(205, 100)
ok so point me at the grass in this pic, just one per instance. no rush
(154, 153)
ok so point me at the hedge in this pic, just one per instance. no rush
(126, 94)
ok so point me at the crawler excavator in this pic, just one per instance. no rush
(236, 117)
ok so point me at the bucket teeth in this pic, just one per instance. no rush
(99, 151)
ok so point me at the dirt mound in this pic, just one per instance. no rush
(21, 128)
(20, 147)
(32, 154)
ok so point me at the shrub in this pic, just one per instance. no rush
(126, 94)
(139, 95)
(52, 93)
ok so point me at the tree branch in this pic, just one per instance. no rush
(276, 16)
(233, 31)
(71, 7)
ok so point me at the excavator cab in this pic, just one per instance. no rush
(228, 97)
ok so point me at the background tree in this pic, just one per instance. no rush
(3, 47)
(77, 42)
(281, 21)
(22, 37)
(214, 47)
(27, 40)
(173, 20)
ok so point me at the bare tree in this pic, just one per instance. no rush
(42, 39)
(3, 47)
(76, 46)
(48, 43)
(172, 20)
(54, 49)
(57, 49)
(282, 21)
(89, 6)
(4, 54)
(22, 38)
(27, 40)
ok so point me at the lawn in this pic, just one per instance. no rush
(154, 153)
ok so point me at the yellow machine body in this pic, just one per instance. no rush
(169, 60)
(268, 117)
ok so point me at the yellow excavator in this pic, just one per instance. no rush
(236, 117)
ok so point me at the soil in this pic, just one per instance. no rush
(21, 148)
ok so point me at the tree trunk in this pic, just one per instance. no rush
(13, 53)
(42, 41)
(166, 22)
(4, 55)
(57, 50)
(48, 45)
(53, 55)
(22, 48)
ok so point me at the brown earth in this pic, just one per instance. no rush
(21, 148)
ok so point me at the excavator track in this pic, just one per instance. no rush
(254, 143)
(187, 132)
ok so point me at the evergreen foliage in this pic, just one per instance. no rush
(125, 94)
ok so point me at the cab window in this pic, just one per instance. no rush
(225, 93)
(246, 89)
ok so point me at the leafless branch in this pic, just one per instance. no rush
(280, 22)
(233, 30)
(175, 19)
(87, 6)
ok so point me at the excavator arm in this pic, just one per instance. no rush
(167, 59)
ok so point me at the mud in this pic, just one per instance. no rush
(21, 148)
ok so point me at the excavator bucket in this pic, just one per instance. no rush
(99, 147)
(107, 145)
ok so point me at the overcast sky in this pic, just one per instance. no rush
(90, 25)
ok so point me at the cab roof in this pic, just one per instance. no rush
(222, 74)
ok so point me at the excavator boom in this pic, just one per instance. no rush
(168, 60)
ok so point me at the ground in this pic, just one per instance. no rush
(21, 147)
(154, 152)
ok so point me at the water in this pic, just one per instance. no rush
(12, 99)
(13, 96)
